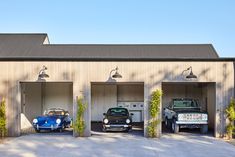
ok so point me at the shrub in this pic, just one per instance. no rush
(79, 125)
(154, 110)
(230, 112)
(3, 130)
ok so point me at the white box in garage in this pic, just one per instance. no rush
(137, 116)
(136, 108)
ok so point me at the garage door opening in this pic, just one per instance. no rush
(38, 97)
(203, 93)
(122, 95)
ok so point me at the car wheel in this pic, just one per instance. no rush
(175, 127)
(62, 128)
(167, 123)
(37, 131)
(204, 129)
(128, 130)
(104, 130)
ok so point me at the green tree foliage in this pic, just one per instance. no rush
(79, 125)
(230, 112)
(154, 110)
(3, 130)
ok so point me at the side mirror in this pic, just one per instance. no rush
(104, 114)
(132, 114)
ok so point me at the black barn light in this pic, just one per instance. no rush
(191, 75)
(42, 73)
(116, 74)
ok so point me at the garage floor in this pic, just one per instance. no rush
(186, 130)
(117, 145)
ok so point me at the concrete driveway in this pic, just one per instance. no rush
(116, 145)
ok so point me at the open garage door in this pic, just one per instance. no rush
(203, 93)
(117, 95)
(37, 97)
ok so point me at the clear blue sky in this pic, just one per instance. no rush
(125, 21)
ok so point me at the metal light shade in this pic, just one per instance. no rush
(191, 76)
(43, 75)
(117, 75)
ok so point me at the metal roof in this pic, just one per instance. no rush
(33, 47)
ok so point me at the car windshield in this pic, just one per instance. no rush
(185, 104)
(117, 112)
(52, 112)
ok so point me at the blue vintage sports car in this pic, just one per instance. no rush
(53, 119)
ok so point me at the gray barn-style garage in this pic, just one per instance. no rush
(86, 70)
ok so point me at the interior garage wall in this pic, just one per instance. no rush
(102, 98)
(171, 91)
(57, 95)
(210, 98)
(204, 92)
(31, 101)
(130, 93)
(37, 97)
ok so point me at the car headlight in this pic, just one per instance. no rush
(181, 117)
(58, 121)
(128, 121)
(35, 121)
(204, 117)
(106, 120)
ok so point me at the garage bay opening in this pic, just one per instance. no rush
(117, 107)
(46, 107)
(189, 107)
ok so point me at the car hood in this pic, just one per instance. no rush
(188, 111)
(49, 119)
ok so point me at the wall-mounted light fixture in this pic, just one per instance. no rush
(113, 74)
(190, 75)
(42, 73)
(116, 74)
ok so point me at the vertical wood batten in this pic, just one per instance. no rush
(83, 73)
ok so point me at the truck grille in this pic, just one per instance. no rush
(192, 117)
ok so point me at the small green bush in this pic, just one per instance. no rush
(79, 125)
(3, 130)
(154, 110)
(230, 112)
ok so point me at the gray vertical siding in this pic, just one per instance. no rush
(83, 73)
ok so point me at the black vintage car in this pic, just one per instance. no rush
(117, 119)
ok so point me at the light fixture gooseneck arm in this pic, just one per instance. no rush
(187, 70)
(112, 71)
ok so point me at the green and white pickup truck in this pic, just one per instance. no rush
(185, 113)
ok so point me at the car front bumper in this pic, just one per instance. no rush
(117, 127)
(191, 122)
(46, 127)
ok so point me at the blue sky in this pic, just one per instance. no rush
(125, 21)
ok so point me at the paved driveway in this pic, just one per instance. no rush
(116, 145)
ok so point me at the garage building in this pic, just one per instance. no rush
(87, 69)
